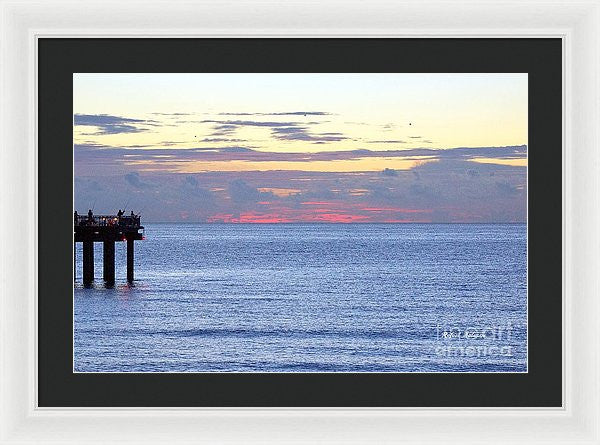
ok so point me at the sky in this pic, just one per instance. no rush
(302, 147)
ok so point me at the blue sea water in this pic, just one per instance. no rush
(310, 298)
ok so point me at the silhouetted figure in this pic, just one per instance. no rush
(75, 217)
(90, 217)
(120, 213)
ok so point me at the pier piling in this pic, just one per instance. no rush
(109, 262)
(129, 260)
(107, 229)
(88, 262)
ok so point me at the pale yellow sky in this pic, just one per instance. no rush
(357, 111)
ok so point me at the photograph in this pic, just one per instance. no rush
(300, 222)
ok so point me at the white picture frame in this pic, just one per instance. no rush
(577, 23)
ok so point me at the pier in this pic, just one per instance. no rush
(106, 229)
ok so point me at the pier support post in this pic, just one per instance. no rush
(88, 262)
(130, 260)
(109, 262)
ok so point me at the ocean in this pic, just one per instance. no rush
(309, 298)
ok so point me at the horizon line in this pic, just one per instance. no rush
(331, 223)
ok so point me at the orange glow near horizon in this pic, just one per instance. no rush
(325, 211)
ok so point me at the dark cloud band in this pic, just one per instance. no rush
(108, 124)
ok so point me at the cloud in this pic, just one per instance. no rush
(387, 142)
(108, 124)
(216, 140)
(228, 127)
(86, 185)
(303, 134)
(94, 153)
(389, 172)
(284, 113)
(242, 193)
(194, 194)
(95, 157)
(286, 131)
(245, 123)
(441, 216)
(232, 149)
(506, 189)
(172, 114)
(451, 189)
(133, 178)
(162, 144)
(223, 130)
(419, 189)
(190, 181)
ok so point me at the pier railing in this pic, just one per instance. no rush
(107, 220)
